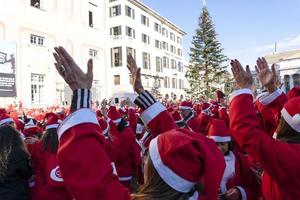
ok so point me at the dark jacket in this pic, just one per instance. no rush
(13, 185)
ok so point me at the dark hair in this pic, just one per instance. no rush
(122, 125)
(155, 188)
(286, 133)
(50, 140)
(9, 140)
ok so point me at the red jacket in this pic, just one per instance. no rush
(280, 160)
(49, 185)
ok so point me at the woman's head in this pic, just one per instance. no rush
(50, 140)
(9, 139)
(176, 165)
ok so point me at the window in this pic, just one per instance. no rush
(129, 12)
(179, 52)
(35, 3)
(93, 53)
(165, 46)
(157, 27)
(37, 88)
(172, 49)
(173, 64)
(174, 83)
(157, 44)
(112, 0)
(145, 38)
(116, 56)
(180, 67)
(158, 64)
(172, 36)
(179, 40)
(165, 62)
(296, 79)
(131, 51)
(130, 32)
(91, 19)
(146, 61)
(145, 20)
(115, 31)
(164, 32)
(37, 40)
(167, 82)
(181, 84)
(115, 11)
(116, 79)
(130, 79)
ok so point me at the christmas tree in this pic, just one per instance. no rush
(206, 58)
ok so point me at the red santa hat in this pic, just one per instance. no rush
(104, 125)
(219, 95)
(176, 116)
(122, 111)
(294, 92)
(52, 120)
(114, 115)
(205, 106)
(291, 113)
(183, 160)
(186, 105)
(4, 117)
(19, 124)
(218, 131)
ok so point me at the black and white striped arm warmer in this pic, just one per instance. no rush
(81, 99)
(145, 100)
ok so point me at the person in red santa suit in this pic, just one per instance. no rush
(128, 157)
(279, 158)
(239, 181)
(49, 183)
(187, 113)
(179, 160)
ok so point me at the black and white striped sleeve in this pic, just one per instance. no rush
(81, 99)
(145, 100)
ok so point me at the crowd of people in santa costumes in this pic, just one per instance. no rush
(215, 150)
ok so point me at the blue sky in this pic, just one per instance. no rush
(246, 28)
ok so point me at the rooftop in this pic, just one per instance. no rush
(282, 56)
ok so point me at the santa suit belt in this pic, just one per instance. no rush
(125, 178)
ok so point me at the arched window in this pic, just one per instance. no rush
(296, 79)
(287, 82)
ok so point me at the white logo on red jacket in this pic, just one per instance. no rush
(56, 175)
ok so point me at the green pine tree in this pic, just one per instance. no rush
(206, 58)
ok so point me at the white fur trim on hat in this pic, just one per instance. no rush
(6, 121)
(171, 178)
(185, 108)
(220, 139)
(117, 121)
(105, 131)
(52, 126)
(81, 116)
(151, 112)
(267, 99)
(239, 92)
(293, 121)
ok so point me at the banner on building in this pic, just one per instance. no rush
(8, 52)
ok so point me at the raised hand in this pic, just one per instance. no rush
(71, 72)
(136, 74)
(243, 78)
(267, 77)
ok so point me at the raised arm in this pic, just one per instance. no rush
(83, 162)
(154, 115)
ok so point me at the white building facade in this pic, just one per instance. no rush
(288, 64)
(155, 43)
(83, 27)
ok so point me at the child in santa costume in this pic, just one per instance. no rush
(49, 183)
(179, 160)
(239, 181)
(279, 158)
